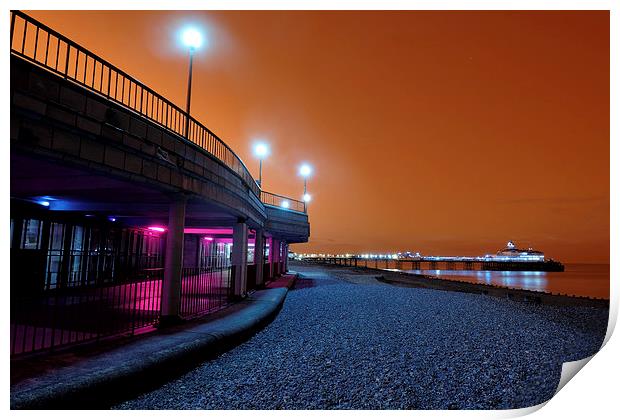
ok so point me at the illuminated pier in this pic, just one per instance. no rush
(509, 258)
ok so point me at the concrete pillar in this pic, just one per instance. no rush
(276, 257)
(259, 255)
(270, 257)
(239, 258)
(268, 244)
(286, 258)
(171, 286)
(282, 257)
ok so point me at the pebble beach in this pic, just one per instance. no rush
(344, 340)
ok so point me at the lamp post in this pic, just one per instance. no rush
(193, 40)
(261, 151)
(305, 171)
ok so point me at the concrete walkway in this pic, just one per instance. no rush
(145, 362)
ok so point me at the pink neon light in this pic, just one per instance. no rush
(157, 228)
(208, 238)
(209, 231)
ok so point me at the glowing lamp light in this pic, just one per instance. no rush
(191, 38)
(285, 204)
(307, 197)
(261, 150)
(305, 170)
(157, 228)
(43, 200)
(207, 238)
(112, 219)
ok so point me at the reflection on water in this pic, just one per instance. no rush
(591, 280)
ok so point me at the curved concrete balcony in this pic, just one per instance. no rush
(96, 140)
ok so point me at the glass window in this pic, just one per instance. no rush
(54, 254)
(31, 234)
(57, 231)
(75, 261)
(78, 238)
(250, 257)
(53, 270)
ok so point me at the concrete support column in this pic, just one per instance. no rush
(173, 264)
(259, 255)
(286, 258)
(275, 245)
(267, 274)
(270, 257)
(239, 258)
(282, 257)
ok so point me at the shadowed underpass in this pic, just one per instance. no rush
(345, 341)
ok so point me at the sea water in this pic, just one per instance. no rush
(588, 280)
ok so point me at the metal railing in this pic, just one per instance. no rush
(205, 290)
(36, 42)
(60, 317)
(282, 202)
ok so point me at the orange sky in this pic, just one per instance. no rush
(438, 132)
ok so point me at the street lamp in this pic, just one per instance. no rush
(192, 39)
(261, 151)
(305, 171)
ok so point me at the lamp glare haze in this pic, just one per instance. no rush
(305, 170)
(191, 38)
(307, 197)
(261, 150)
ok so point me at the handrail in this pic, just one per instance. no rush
(281, 201)
(66, 58)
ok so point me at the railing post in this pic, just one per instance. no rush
(67, 60)
(12, 28)
(171, 286)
